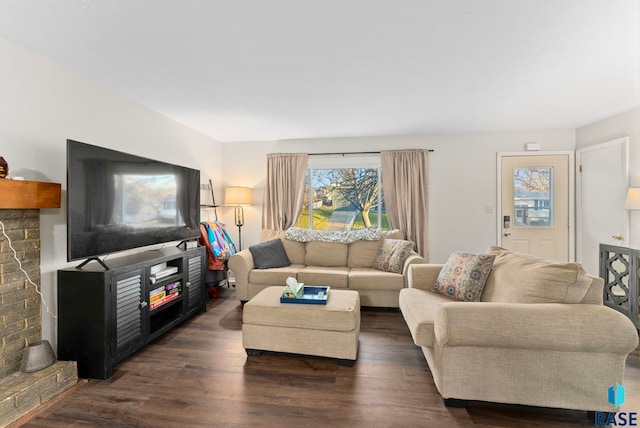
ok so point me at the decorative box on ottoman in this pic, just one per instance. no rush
(329, 330)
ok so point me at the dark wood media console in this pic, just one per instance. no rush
(107, 315)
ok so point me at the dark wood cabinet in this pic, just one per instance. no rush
(620, 269)
(106, 315)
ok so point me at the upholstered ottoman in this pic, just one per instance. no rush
(329, 330)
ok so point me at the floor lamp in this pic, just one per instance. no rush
(238, 196)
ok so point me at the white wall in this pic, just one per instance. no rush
(620, 125)
(43, 104)
(462, 177)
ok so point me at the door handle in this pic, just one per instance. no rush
(617, 237)
(507, 234)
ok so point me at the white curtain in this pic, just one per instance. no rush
(406, 194)
(284, 190)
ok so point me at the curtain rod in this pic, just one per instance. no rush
(351, 153)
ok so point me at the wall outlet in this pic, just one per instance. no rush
(205, 186)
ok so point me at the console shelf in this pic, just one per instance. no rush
(106, 315)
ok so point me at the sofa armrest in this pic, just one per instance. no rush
(413, 259)
(241, 263)
(422, 276)
(541, 326)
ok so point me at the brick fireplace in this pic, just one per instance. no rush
(20, 306)
(20, 313)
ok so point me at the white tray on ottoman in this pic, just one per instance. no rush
(330, 330)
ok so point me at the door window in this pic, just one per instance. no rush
(533, 196)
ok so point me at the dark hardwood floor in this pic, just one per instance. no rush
(198, 375)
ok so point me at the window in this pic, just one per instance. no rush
(533, 197)
(343, 194)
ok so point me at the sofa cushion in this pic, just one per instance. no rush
(522, 278)
(269, 254)
(326, 254)
(373, 279)
(269, 234)
(275, 276)
(463, 276)
(323, 275)
(295, 251)
(362, 254)
(418, 309)
(392, 255)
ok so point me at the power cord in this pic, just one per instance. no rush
(15, 256)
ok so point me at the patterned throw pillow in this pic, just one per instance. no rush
(392, 255)
(463, 276)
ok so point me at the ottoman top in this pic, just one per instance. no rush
(341, 313)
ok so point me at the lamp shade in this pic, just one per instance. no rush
(237, 196)
(633, 199)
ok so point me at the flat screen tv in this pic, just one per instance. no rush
(117, 201)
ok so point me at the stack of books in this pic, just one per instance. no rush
(156, 295)
(163, 295)
(173, 288)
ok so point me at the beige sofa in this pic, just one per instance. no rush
(546, 352)
(338, 265)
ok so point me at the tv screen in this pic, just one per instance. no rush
(117, 201)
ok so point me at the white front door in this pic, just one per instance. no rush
(603, 179)
(535, 205)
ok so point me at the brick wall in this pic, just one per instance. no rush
(21, 323)
(20, 309)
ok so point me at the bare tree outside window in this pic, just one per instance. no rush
(343, 199)
(533, 199)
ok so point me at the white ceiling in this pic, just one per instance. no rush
(280, 69)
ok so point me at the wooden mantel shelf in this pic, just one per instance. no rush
(20, 194)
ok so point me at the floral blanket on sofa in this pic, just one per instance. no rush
(344, 237)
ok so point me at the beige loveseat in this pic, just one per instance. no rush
(539, 336)
(338, 265)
